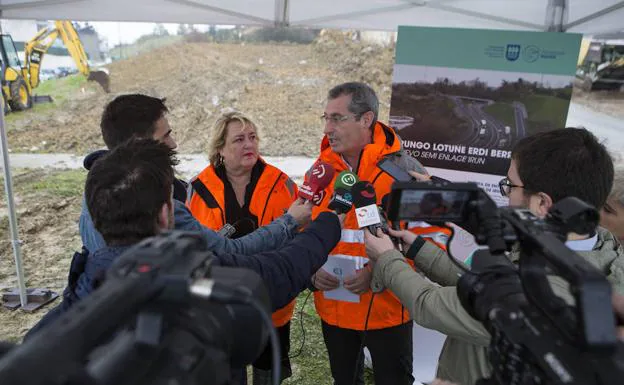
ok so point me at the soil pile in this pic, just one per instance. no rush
(281, 86)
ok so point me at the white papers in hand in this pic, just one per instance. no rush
(340, 268)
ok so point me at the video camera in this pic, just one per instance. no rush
(164, 315)
(537, 337)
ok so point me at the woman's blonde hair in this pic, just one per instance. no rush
(219, 132)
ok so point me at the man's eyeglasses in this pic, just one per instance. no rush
(505, 186)
(336, 119)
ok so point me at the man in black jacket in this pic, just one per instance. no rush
(129, 196)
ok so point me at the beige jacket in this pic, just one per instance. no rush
(463, 359)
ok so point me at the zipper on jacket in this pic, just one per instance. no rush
(266, 204)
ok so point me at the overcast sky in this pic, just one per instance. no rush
(128, 33)
(404, 73)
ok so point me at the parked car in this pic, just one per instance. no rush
(46, 74)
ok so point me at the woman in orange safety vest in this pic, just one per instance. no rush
(240, 189)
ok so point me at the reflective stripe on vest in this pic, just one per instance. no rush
(352, 236)
(435, 234)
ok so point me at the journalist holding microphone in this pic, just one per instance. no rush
(545, 168)
(126, 213)
(240, 189)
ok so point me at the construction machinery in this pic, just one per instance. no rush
(601, 65)
(18, 81)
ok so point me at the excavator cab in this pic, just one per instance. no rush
(15, 89)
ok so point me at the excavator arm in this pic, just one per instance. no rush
(38, 46)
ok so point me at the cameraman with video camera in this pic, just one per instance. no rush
(544, 169)
(129, 195)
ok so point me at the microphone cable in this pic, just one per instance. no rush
(363, 342)
(303, 334)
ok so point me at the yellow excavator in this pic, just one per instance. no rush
(19, 81)
(601, 65)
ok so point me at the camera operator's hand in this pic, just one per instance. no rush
(406, 236)
(420, 177)
(301, 210)
(618, 306)
(360, 282)
(377, 244)
(322, 280)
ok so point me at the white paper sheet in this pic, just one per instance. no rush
(341, 268)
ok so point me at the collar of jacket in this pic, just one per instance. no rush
(212, 177)
(92, 157)
(606, 245)
(385, 141)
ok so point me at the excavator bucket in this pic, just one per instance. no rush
(101, 77)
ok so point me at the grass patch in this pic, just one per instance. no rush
(61, 90)
(545, 112)
(311, 367)
(66, 184)
(503, 112)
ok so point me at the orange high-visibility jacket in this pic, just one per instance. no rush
(386, 310)
(273, 195)
(436, 234)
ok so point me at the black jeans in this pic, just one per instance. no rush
(390, 348)
(264, 361)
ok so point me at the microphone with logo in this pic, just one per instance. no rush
(367, 213)
(342, 199)
(366, 210)
(320, 176)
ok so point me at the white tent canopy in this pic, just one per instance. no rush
(586, 16)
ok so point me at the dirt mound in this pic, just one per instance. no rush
(368, 63)
(282, 86)
(48, 231)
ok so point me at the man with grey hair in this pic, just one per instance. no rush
(612, 214)
(356, 141)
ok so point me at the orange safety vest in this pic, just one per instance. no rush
(273, 195)
(438, 235)
(386, 310)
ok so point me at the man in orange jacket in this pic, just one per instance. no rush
(354, 140)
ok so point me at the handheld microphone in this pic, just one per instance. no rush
(227, 230)
(342, 199)
(386, 225)
(319, 177)
(317, 199)
(366, 210)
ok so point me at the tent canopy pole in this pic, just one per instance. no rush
(8, 188)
